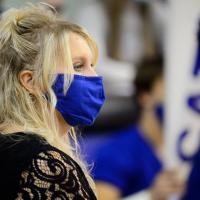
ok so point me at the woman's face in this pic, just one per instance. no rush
(82, 57)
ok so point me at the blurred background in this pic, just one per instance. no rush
(150, 61)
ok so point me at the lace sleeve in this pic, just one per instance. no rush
(52, 175)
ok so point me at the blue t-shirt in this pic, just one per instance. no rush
(193, 184)
(125, 159)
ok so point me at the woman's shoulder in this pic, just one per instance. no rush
(53, 174)
(43, 167)
(27, 144)
(17, 149)
(24, 147)
(19, 138)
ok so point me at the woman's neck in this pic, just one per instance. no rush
(152, 129)
(63, 126)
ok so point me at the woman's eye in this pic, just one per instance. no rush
(78, 67)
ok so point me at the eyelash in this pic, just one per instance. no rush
(80, 66)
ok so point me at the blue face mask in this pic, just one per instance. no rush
(159, 111)
(83, 100)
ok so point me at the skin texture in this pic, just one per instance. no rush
(82, 59)
(107, 191)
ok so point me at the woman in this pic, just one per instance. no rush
(41, 98)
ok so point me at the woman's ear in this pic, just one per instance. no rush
(26, 79)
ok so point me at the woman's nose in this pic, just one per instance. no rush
(90, 71)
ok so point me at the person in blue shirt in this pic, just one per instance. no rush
(129, 160)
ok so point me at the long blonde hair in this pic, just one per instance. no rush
(34, 38)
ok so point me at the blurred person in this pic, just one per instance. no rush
(48, 85)
(130, 160)
(124, 26)
(130, 28)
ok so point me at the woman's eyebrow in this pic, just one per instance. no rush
(78, 58)
(82, 57)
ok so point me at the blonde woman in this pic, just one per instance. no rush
(48, 85)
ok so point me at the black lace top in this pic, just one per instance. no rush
(30, 168)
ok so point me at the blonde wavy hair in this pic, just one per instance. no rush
(34, 38)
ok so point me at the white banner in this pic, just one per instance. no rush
(182, 129)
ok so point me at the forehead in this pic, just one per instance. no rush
(79, 47)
